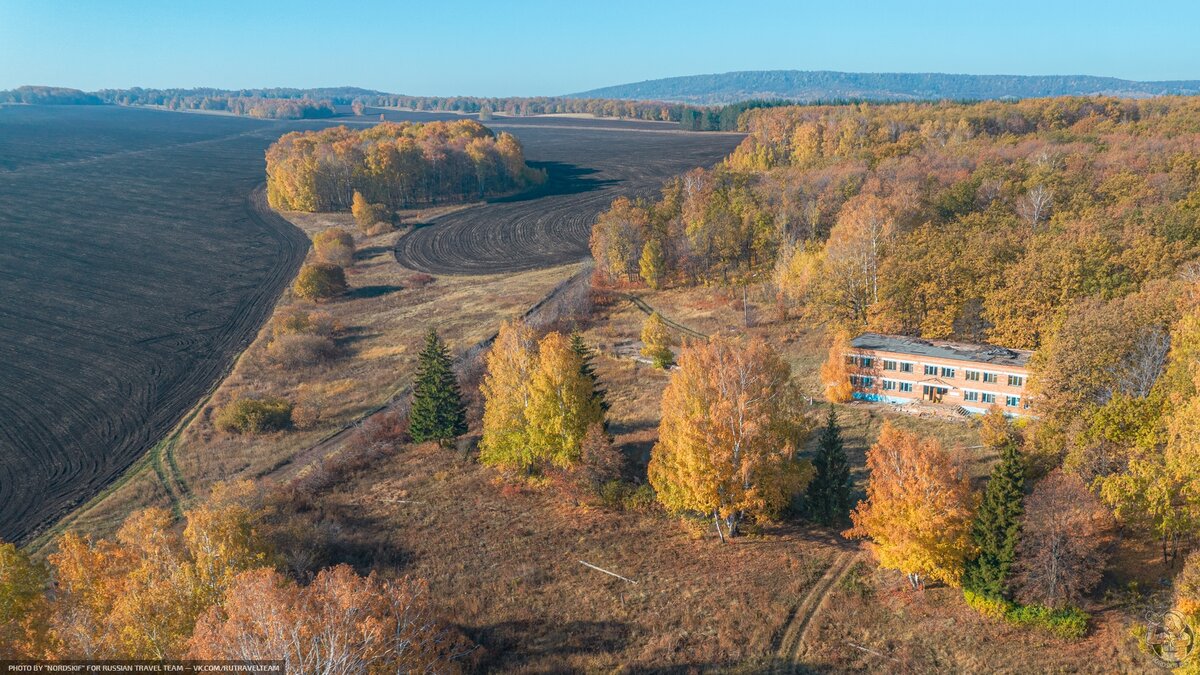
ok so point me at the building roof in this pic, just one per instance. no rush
(943, 349)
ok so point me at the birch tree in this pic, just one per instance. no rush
(729, 433)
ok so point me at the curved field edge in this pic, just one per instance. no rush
(159, 458)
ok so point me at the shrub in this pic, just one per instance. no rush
(1069, 623)
(296, 320)
(418, 280)
(292, 352)
(320, 281)
(335, 246)
(621, 496)
(855, 582)
(365, 213)
(254, 415)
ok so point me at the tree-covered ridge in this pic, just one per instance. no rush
(396, 165)
(810, 86)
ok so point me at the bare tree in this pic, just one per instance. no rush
(1034, 206)
(1064, 542)
(1145, 362)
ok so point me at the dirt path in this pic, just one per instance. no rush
(648, 310)
(791, 645)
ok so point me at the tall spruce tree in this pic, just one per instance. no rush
(997, 525)
(829, 492)
(586, 354)
(438, 413)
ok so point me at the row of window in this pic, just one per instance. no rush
(989, 398)
(865, 382)
(935, 371)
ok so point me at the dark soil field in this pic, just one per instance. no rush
(133, 269)
(590, 163)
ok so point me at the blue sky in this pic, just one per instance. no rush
(500, 48)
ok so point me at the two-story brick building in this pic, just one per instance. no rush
(899, 369)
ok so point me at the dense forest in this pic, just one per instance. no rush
(941, 220)
(394, 165)
(1070, 226)
(823, 85)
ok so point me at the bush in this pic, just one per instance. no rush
(621, 496)
(334, 246)
(418, 280)
(320, 281)
(366, 214)
(299, 321)
(254, 415)
(1069, 623)
(856, 582)
(292, 352)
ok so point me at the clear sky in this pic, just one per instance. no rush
(506, 47)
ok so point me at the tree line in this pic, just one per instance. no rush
(288, 103)
(394, 165)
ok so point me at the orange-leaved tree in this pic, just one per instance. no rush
(918, 509)
(140, 595)
(339, 623)
(835, 377)
(729, 432)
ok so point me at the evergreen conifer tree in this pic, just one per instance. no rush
(829, 492)
(438, 412)
(997, 525)
(586, 354)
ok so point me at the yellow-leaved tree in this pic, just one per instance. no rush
(140, 595)
(538, 402)
(918, 509)
(510, 364)
(656, 341)
(835, 377)
(562, 403)
(729, 432)
(23, 607)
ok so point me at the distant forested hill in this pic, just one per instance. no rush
(823, 85)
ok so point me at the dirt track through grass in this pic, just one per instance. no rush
(133, 269)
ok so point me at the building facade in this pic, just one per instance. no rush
(898, 369)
